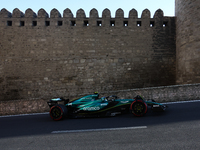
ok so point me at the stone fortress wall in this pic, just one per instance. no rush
(43, 56)
(187, 41)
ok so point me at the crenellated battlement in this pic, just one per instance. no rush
(45, 55)
(42, 18)
(51, 55)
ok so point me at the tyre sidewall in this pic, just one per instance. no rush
(62, 109)
(144, 107)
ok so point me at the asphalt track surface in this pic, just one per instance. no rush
(176, 128)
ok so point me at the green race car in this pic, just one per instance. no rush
(93, 106)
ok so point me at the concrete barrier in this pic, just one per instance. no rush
(160, 94)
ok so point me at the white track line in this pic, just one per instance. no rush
(181, 102)
(24, 115)
(95, 130)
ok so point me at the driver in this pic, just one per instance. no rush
(96, 93)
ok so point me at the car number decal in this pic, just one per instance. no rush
(104, 104)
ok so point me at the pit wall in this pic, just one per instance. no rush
(43, 57)
(160, 94)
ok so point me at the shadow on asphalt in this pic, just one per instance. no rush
(42, 124)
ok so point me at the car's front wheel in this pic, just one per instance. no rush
(58, 112)
(138, 108)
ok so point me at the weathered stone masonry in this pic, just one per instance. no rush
(188, 41)
(43, 57)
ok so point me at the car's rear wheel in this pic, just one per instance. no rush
(138, 108)
(58, 112)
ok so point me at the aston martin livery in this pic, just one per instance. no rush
(93, 106)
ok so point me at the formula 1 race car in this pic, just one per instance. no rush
(93, 106)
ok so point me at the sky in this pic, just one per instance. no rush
(167, 6)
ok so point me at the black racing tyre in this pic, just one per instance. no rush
(58, 112)
(138, 108)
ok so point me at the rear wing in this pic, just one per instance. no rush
(55, 101)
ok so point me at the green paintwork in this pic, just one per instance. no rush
(93, 104)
